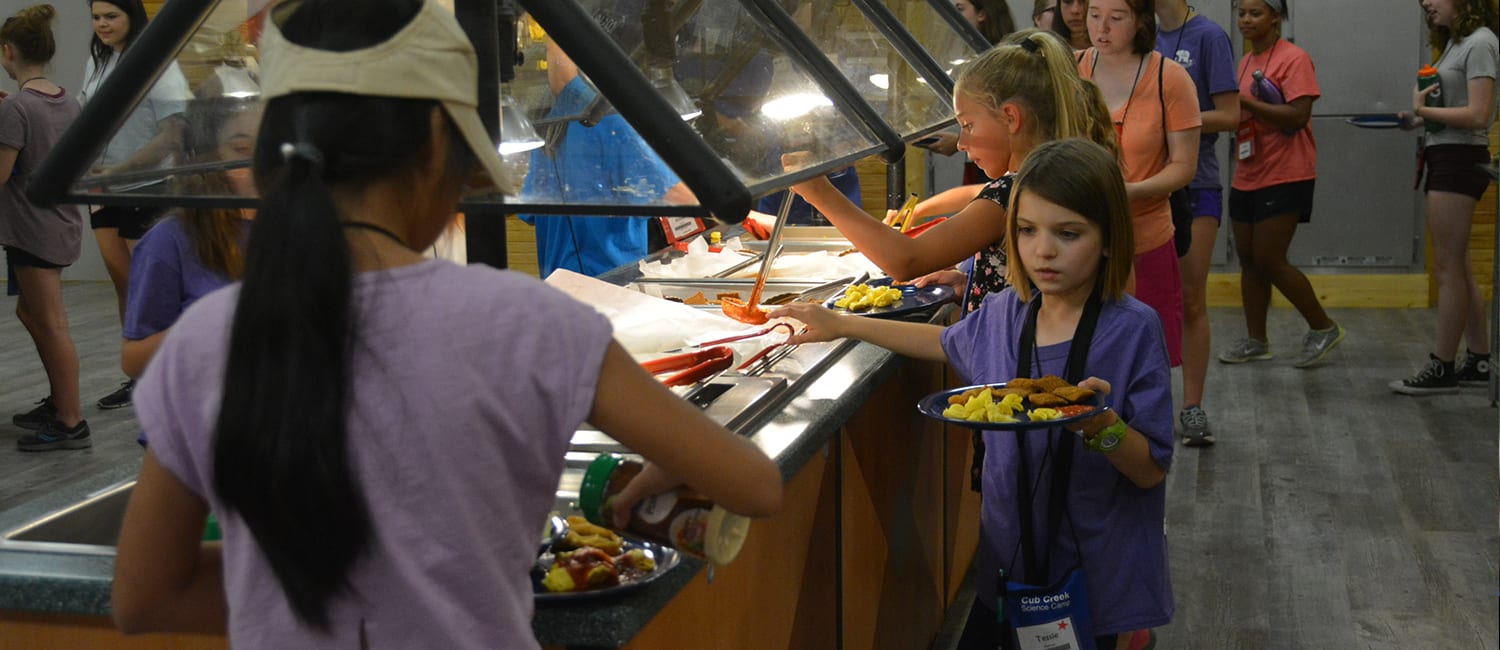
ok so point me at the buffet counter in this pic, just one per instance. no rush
(877, 529)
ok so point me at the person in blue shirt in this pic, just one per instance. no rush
(604, 163)
(1202, 48)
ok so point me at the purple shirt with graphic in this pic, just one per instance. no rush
(1119, 526)
(1202, 47)
(467, 385)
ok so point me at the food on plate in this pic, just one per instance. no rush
(1074, 409)
(595, 558)
(582, 534)
(860, 297)
(1038, 415)
(980, 405)
(1046, 399)
(581, 570)
(1049, 383)
(1024, 383)
(1074, 394)
(634, 563)
(1001, 403)
(696, 299)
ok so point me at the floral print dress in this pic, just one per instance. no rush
(987, 275)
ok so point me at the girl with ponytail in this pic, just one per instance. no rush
(1015, 96)
(380, 435)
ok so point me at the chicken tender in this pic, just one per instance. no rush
(1074, 394)
(1046, 399)
(1050, 383)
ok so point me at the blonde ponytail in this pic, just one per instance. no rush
(1036, 70)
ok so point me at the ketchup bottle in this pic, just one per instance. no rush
(682, 519)
(1427, 77)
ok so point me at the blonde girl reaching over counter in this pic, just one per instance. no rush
(1015, 96)
(1070, 243)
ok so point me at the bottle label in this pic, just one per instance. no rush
(689, 532)
(654, 510)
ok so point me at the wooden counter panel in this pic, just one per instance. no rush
(892, 519)
(961, 508)
(782, 590)
(34, 631)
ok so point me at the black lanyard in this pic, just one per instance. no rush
(1078, 353)
(1266, 69)
(1120, 125)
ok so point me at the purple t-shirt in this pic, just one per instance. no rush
(1119, 526)
(165, 278)
(1202, 48)
(31, 123)
(468, 384)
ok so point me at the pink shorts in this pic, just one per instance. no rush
(1158, 283)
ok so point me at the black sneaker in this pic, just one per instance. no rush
(1436, 378)
(34, 419)
(53, 435)
(118, 399)
(1195, 431)
(1475, 370)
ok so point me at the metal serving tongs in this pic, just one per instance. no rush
(750, 311)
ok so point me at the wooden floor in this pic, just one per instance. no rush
(1331, 513)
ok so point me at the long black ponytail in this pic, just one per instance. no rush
(281, 456)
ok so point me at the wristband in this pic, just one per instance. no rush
(1107, 439)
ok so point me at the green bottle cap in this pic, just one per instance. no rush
(595, 479)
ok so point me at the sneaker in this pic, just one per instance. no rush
(1436, 378)
(1475, 370)
(118, 399)
(1195, 431)
(1318, 343)
(34, 419)
(1247, 349)
(53, 435)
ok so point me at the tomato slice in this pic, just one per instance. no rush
(1074, 409)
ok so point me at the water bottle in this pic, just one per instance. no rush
(1265, 90)
(1427, 77)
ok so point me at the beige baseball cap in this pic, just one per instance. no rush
(430, 58)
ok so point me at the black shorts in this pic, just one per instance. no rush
(1456, 168)
(15, 257)
(1255, 206)
(132, 221)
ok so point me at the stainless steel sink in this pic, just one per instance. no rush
(92, 526)
(89, 527)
